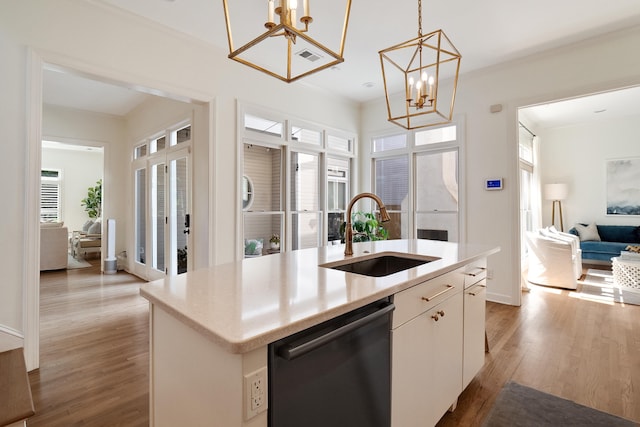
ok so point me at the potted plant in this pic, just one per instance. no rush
(365, 228)
(274, 242)
(93, 202)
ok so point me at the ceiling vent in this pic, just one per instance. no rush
(308, 55)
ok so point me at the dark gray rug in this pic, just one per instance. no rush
(520, 406)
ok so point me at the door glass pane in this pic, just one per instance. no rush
(437, 181)
(304, 182)
(263, 217)
(437, 196)
(526, 209)
(335, 220)
(263, 168)
(158, 215)
(306, 230)
(437, 226)
(392, 186)
(392, 182)
(140, 215)
(258, 229)
(305, 200)
(180, 209)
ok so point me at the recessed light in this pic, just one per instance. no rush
(368, 84)
(600, 111)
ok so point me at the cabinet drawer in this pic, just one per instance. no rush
(475, 272)
(424, 296)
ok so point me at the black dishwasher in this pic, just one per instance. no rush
(334, 374)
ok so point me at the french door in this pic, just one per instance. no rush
(162, 214)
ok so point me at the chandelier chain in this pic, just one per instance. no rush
(419, 18)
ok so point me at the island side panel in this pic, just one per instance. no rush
(193, 380)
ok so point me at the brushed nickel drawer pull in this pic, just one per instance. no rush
(449, 287)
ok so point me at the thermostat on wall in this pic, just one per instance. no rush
(493, 184)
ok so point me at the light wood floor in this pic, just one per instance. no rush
(95, 362)
(556, 342)
(94, 350)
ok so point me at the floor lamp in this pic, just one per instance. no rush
(556, 193)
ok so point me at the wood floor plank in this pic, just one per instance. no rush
(94, 343)
(559, 343)
(95, 361)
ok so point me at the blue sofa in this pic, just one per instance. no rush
(614, 239)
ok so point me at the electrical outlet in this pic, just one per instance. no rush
(255, 392)
(489, 274)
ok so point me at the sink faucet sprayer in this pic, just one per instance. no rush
(384, 217)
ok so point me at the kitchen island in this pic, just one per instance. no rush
(210, 328)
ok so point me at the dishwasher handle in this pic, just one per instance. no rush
(290, 353)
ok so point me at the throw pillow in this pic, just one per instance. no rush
(588, 232)
(86, 225)
(96, 228)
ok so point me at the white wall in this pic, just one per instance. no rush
(491, 138)
(80, 170)
(577, 156)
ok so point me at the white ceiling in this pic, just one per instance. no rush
(485, 32)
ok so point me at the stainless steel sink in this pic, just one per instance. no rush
(379, 266)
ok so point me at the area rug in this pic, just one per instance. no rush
(73, 263)
(598, 285)
(520, 406)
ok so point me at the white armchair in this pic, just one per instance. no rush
(53, 246)
(554, 259)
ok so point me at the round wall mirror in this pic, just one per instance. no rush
(247, 192)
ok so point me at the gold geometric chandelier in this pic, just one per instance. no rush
(286, 50)
(427, 68)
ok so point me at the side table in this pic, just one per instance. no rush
(626, 273)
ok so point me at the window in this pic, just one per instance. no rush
(307, 136)
(140, 151)
(300, 173)
(50, 197)
(264, 217)
(393, 142)
(436, 135)
(305, 200)
(339, 143)
(181, 135)
(392, 186)
(263, 125)
(436, 186)
(417, 176)
(337, 196)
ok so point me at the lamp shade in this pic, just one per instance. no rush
(556, 191)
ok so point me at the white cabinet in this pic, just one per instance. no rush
(474, 320)
(427, 353)
(475, 291)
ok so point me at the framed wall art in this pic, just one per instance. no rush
(623, 186)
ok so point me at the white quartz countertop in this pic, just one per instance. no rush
(247, 304)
